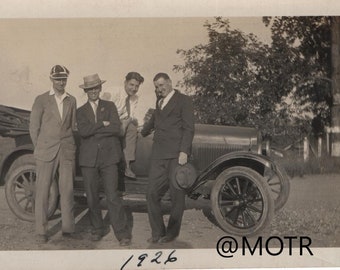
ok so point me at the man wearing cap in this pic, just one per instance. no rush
(173, 123)
(100, 151)
(127, 104)
(52, 122)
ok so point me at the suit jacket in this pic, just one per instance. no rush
(174, 127)
(96, 137)
(48, 131)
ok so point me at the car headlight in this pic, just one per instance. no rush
(265, 148)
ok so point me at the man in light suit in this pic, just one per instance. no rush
(173, 123)
(100, 151)
(127, 105)
(52, 122)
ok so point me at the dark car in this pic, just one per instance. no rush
(238, 185)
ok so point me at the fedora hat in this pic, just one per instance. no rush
(184, 176)
(91, 81)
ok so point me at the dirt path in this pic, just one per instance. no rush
(313, 209)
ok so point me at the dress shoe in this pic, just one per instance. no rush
(125, 242)
(105, 231)
(129, 173)
(153, 240)
(41, 239)
(166, 239)
(99, 235)
(73, 236)
(96, 237)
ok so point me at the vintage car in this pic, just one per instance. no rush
(238, 185)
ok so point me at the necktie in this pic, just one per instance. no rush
(127, 106)
(95, 106)
(160, 103)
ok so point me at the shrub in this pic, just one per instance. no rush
(296, 166)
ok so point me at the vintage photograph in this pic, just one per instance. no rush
(152, 136)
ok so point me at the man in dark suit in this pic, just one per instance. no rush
(52, 122)
(100, 151)
(173, 122)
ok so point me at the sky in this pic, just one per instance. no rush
(110, 47)
(114, 37)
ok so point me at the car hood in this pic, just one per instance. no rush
(233, 135)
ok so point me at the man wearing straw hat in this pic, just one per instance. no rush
(52, 122)
(100, 151)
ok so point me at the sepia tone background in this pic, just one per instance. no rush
(146, 43)
(111, 47)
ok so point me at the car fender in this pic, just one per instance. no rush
(248, 159)
(8, 159)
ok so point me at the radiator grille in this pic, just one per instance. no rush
(204, 154)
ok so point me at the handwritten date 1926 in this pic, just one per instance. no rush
(156, 258)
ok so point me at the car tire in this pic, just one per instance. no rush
(241, 202)
(20, 161)
(279, 183)
(208, 213)
(20, 193)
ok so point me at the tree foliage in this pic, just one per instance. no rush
(237, 80)
(224, 77)
(308, 41)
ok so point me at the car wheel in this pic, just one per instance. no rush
(241, 202)
(20, 161)
(208, 213)
(20, 193)
(279, 183)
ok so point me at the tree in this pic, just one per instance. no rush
(237, 80)
(335, 111)
(232, 78)
(307, 41)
